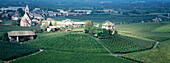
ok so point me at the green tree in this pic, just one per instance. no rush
(55, 24)
(89, 25)
(20, 10)
(40, 23)
(70, 26)
(5, 37)
(50, 24)
(44, 26)
(18, 22)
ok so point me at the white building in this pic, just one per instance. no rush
(109, 26)
(63, 23)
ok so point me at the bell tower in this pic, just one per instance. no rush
(27, 9)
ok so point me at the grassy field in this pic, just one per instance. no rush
(165, 28)
(65, 57)
(159, 55)
(144, 30)
(71, 42)
(125, 44)
(10, 50)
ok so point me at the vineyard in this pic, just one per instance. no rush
(10, 50)
(125, 44)
(65, 57)
(159, 55)
(145, 30)
(71, 42)
(165, 28)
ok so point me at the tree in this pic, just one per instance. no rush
(70, 26)
(50, 24)
(20, 10)
(89, 25)
(5, 37)
(40, 23)
(44, 26)
(18, 22)
(55, 24)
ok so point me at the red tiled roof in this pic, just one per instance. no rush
(38, 15)
(1, 21)
(37, 22)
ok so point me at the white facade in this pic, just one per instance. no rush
(15, 18)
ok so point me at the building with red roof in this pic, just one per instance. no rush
(38, 17)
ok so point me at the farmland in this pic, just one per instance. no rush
(149, 31)
(71, 42)
(66, 57)
(14, 50)
(113, 18)
(125, 44)
(159, 55)
(165, 28)
(145, 30)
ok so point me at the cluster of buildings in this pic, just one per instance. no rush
(39, 14)
(51, 24)
(157, 20)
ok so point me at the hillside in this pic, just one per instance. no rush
(149, 31)
(125, 44)
(159, 55)
(9, 51)
(144, 30)
(64, 47)
(66, 57)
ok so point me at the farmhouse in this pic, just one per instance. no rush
(18, 35)
(26, 19)
(109, 25)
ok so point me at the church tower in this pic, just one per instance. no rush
(26, 19)
(27, 9)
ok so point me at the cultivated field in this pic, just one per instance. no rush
(159, 55)
(10, 50)
(66, 57)
(146, 30)
(112, 18)
(150, 31)
(71, 42)
(125, 44)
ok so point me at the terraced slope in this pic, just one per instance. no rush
(10, 50)
(125, 44)
(71, 42)
(159, 55)
(144, 30)
(65, 57)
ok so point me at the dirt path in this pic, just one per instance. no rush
(155, 45)
(105, 47)
(27, 55)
